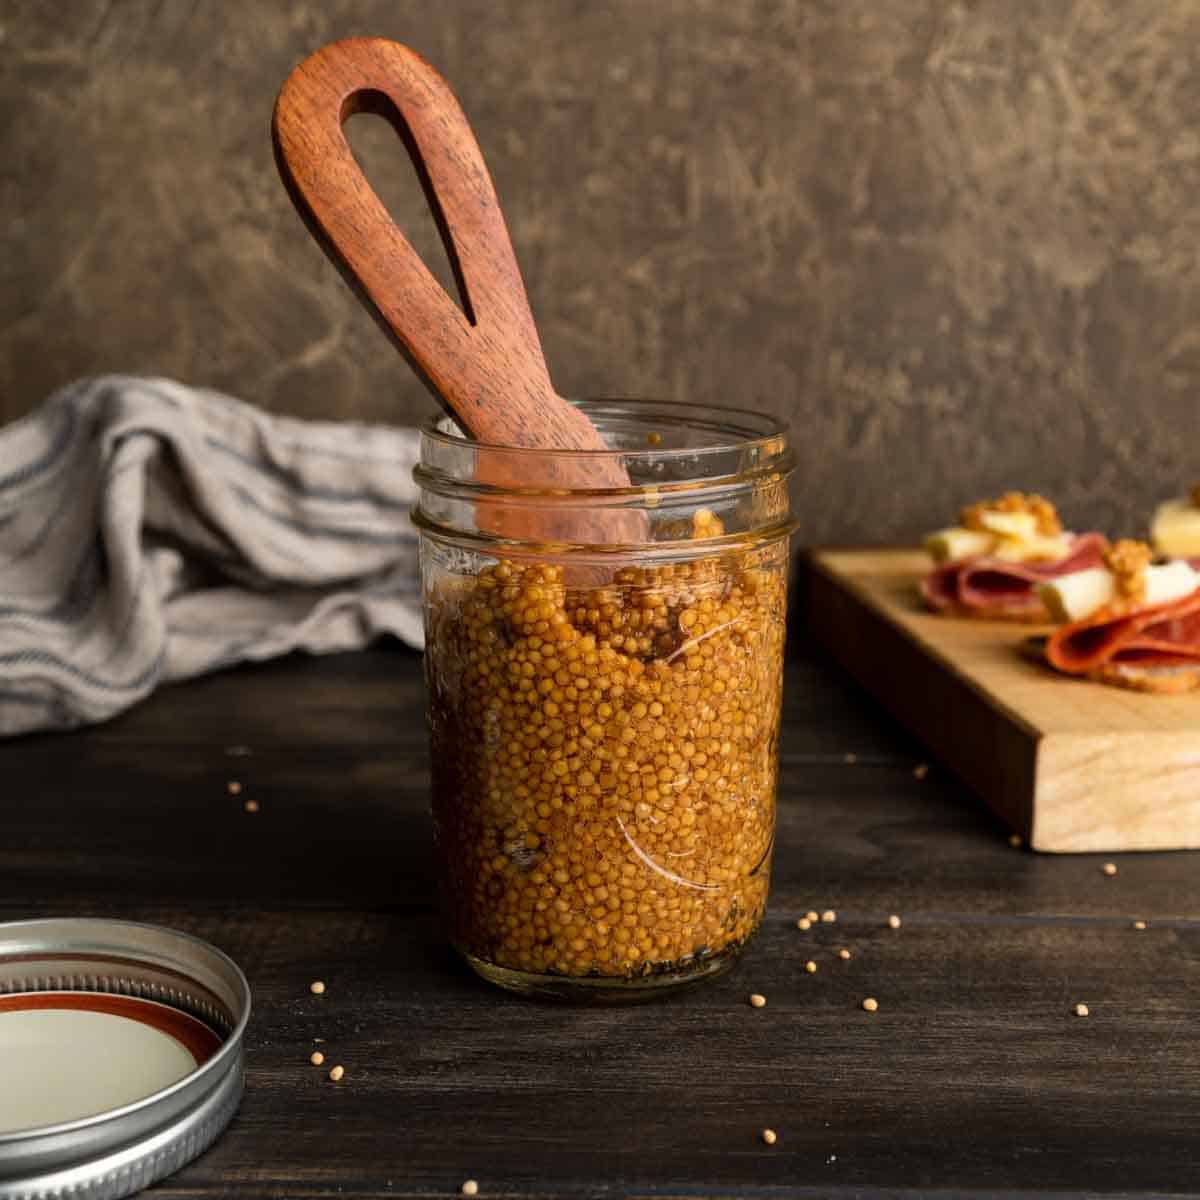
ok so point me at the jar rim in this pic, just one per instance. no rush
(759, 429)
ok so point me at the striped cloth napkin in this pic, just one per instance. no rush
(150, 532)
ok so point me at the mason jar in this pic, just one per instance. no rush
(604, 664)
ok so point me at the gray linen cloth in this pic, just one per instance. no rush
(150, 532)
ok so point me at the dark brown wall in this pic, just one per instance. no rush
(956, 245)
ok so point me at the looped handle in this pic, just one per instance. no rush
(487, 366)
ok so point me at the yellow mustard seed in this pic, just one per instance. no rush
(1139, 924)
(251, 806)
(894, 922)
(920, 770)
(603, 766)
(337, 1072)
(812, 915)
(870, 1004)
(316, 1058)
(757, 1000)
(233, 788)
(1014, 840)
(804, 923)
(1109, 868)
(653, 439)
(843, 953)
(850, 759)
(470, 1188)
(1081, 1010)
(829, 916)
(810, 967)
(317, 987)
(770, 1136)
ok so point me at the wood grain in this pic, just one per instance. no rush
(483, 361)
(1070, 764)
(972, 1079)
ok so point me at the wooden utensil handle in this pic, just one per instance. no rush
(486, 365)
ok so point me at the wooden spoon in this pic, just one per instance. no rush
(483, 361)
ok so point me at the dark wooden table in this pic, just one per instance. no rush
(972, 1078)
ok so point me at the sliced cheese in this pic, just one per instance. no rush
(1171, 581)
(950, 545)
(1175, 530)
(1078, 595)
(1020, 525)
(1036, 547)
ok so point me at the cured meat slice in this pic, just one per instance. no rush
(1161, 636)
(994, 587)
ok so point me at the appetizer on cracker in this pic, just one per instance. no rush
(990, 564)
(1131, 621)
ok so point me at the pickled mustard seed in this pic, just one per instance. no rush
(1109, 868)
(233, 788)
(756, 1000)
(893, 922)
(812, 916)
(317, 987)
(870, 1004)
(810, 967)
(804, 923)
(920, 770)
(337, 1072)
(1139, 924)
(829, 916)
(251, 806)
(1080, 1010)
(1014, 840)
(770, 1136)
(843, 953)
(628, 726)
(316, 1058)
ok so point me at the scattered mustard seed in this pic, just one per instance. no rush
(893, 922)
(1139, 924)
(1080, 1010)
(233, 788)
(470, 1187)
(804, 923)
(317, 987)
(652, 439)
(812, 915)
(251, 806)
(1014, 840)
(870, 1004)
(1109, 868)
(757, 1000)
(850, 759)
(810, 967)
(770, 1136)
(920, 770)
(337, 1072)
(316, 1058)
(843, 953)
(829, 916)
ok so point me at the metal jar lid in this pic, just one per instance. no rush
(125, 1149)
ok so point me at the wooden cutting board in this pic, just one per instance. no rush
(1070, 765)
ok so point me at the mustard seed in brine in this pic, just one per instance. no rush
(604, 760)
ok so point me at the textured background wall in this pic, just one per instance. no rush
(955, 245)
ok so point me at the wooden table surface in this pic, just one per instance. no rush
(972, 1078)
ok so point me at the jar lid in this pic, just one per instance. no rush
(122, 1052)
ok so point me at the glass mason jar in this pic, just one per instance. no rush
(604, 669)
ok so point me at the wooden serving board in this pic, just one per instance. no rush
(1069, 764)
